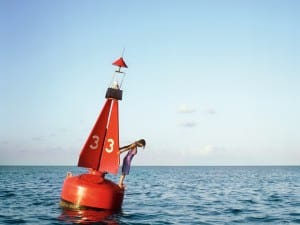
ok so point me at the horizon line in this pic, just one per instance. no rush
(258, 165)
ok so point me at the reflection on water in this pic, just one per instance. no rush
(88, 216)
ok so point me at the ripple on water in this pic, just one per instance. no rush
(11, 220)
(7, 194)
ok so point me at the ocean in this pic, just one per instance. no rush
(159, 195)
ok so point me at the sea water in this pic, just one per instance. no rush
(159, 195)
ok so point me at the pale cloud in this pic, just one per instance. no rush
(32, 155)
(200, 151)
(188, 124)
(52, 135)
(186, 109)
(38, 138)
(210, 111)
(4, 142)
(205, 150)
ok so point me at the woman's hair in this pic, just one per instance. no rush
(142, 142)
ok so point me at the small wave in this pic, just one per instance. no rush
(275, 198)
(261, 219)
(296, 221)
(7, 194)
(294, 214)
(10, 220)
(234, 211)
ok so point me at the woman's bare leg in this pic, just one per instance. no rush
(121, 180)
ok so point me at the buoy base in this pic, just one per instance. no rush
(91, 191)
(70, 205)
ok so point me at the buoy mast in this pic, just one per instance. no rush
(114, 91)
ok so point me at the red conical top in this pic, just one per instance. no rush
(101, 150)
(120, 62)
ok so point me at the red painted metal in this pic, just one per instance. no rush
(110, 159)
(92, 191)
(120, 62)
(101, 150)
(91, 152)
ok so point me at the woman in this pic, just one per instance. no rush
(132, 151)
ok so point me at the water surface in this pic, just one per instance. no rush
(159, 195)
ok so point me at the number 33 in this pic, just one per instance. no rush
(95, 144)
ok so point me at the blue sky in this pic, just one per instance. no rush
(208, 83)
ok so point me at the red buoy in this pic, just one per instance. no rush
(100, 154)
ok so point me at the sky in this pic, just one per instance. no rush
(209, 82)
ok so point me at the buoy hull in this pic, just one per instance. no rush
(91, 191)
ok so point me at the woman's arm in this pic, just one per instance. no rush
(126, 148)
